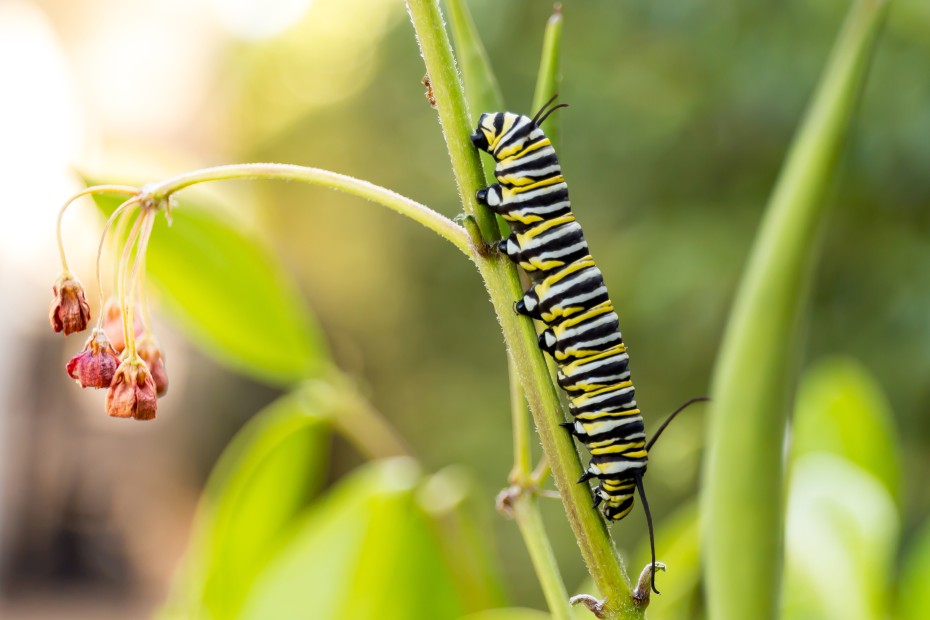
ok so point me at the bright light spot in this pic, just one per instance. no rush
(144, 66)
(259, 19)
(41, 133)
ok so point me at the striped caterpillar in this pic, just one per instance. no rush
(568, 294)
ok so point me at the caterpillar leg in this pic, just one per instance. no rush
(491, 196)
(527, 306)
(509, 247)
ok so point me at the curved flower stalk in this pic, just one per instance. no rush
(123, 325)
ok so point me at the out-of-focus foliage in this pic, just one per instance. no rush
(840, 542)
(508, 614)
(842, 522)
(230, 294)
(756, 369)
(842, 411)
(262, 483)
(913, 593)
(385, 542)
(382, 559)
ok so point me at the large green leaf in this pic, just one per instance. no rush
(263, 481)
(366, 551)
(842, 410)
(743, 483)
(914, 593)
(841, 539)
(230, 294)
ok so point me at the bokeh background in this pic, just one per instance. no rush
(680, 114)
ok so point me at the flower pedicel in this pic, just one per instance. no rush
(121, 353)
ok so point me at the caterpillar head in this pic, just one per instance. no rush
(502, 132)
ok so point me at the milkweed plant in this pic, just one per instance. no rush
(388, 540)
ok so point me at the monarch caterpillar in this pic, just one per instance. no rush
(568, 295)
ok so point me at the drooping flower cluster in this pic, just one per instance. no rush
(121, 354)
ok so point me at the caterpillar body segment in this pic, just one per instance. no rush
(566, 292)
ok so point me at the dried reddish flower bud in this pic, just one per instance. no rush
(68, 311)
(96, 364)
(155, 360)
(132, 391)
(113, 325)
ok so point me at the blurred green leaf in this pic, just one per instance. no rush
(743, 473)
(231, 295)
(913, 591)
(841, 410)
(448, 498)
(263, 480)
(512, 613)
(481, 89)
(365, 551)
(841, 540)
(547, 79)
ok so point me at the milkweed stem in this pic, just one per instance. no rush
(503, 284)
(436, 222)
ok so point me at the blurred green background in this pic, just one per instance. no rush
(680, 114)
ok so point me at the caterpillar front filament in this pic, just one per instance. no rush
(568, 295)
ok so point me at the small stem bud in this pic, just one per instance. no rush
(595, 606)
(646, 578)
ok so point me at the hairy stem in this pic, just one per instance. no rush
(520, 415)
(440, 224)
(503, 284)
(529, 521)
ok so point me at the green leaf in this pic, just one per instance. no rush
(511, 613)
(262, 482)
(231, 295)
(366, 551)
(842, 410)
(547, 80)
(913, 594)
(841, 539)
(743, 470)
(481, 89)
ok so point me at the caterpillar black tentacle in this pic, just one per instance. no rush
(568, 295)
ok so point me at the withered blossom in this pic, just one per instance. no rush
(68, 311)
(132, 392)
(151, 353)
(96, 364)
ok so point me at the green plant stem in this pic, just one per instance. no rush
(503, 285)
(529, 521)
(752, 388)
(440, 224)
(522, 448)
(453, 110)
